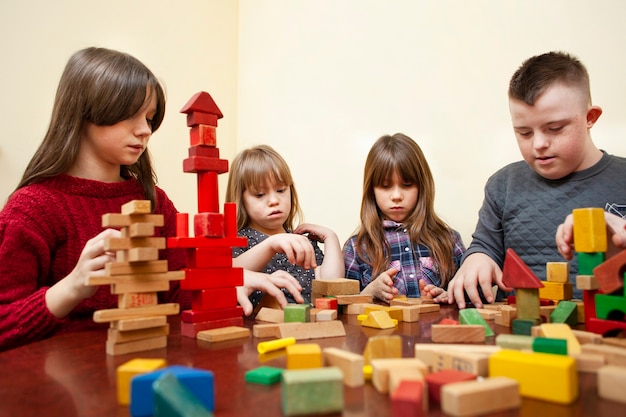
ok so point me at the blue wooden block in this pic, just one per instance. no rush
(199, 382)
(172, 399)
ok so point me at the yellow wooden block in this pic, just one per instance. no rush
(350, 363)
(557, 272)
(589, 230)
(540, 375)
(384, 346)
(134, 367)
(304, 356)
(556, 291)
(379, 320)
(562, 331)
(394, 312)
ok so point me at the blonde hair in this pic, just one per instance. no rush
(251, 170)
(400, 154)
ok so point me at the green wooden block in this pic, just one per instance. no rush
(588, 261)
(549, 345)
(299, 313)
(265, 375)
(312, 391)
(172, 399)
(565, 312)
(524, 326)
(515, 341)
(610, 307)
(472, 316)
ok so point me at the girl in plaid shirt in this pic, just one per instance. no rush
(402, 246)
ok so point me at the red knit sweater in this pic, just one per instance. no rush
(43, 229)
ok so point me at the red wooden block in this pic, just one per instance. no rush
(407, 399)
(447, 320)
(517, 274)
(208, 198)
(589, 300)
(203, 135)
(220, 257)
(202, 150)
(202, 102)
(214, 298)
(192, 329)
(203, 163)
(196, 118)
(202, 242)
(542, 301)
(193, 316)
(204, 279)
(436, 380)
(208, 225)
(230, 219)
(326, 303)
(182, 224)
(610, 273)
(605, 327)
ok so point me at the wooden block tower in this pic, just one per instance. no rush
(210, 275)
(140, 322)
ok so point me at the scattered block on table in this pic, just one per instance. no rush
(297, 313)
(265, 330)
(515, 341)
(589, 362)
(313, 314)
(126, 371)
(223, 333)
(352, 299)
(382, 347)
(471, 398)
(356, 308)
(312, 391)
(381, 368)
(317, 330)
(556, 291)
(487, 313)
(379, 319)
(550, 345)
(589, 230)
(304, 356)
(272, 345)
(427, 308)
(326, 315)
(409, 400)
(199, 382)
(394, 312)
(410, 314)
(557, 272)
(172, 399)
(437, 380)
(506, 315)
(264, 375)
(565, 312)
(450, 333)
(326, 303)
(336, 286)
(113, 348)
(587, 282)
(561, 331)
(350, 363)
(524, 326)
(397, 375)
(472, 316)
(411, 301)
(611, 383)
(612, 355)
(540, 375)
(472, 362)
(585, 337)
(270, 315)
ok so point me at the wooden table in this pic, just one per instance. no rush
(71, 375)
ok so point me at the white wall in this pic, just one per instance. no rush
(320, 80)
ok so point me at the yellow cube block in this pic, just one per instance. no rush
(130, 369)
(589, 230)
(304, 356)
(556, 291)
(557, 272)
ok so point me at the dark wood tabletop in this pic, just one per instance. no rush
(71, 375)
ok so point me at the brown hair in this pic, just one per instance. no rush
(103, 87)
(400, 154)
(538, 73)
(250, 169)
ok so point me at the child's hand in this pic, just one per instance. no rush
(439, 295)
(314, 232)
(382, 287)
(616, 230)
(296, 247)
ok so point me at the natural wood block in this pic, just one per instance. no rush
(270, 315)
(470, 398)
(127, 268)
(410, 314)
(136, 279)
(611, 383)
(139, 323)
(381, 347)
(351, 365)
(585, 337)
(317, 330)
(137, 207)
(115, 244)
(382, 367)
(336, 286)
(273, 345)
(394, 312)
(613, 355)
(140, 286)
(450, 333)
(223, 333)
(411, 301)
(587, 282)
(352, 299)
(472, 362)
(506, 315)
(117, 220)
(116, 336)
(136, 346)
(326, 315)
(102, 316)
(265, 330)
(589, 362)
(133, 300)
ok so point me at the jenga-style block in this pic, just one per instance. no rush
(471, 398)
(381, 368)
(297, 386)
(304, 356)
(139, 323)
(113, 348)
(381, 347)
(556, 291)
(137, 207)
(472, 316)
(557, 272)
(611, 382)
(173, 399)
(133, 300)
(299, 313)
(589, 230)
(115, 336)
(450, 333)
(126, 371)
(222, 334)
(317, 330)
(326, 315)
(103, 316)
(199, 382)
(214, 298)
(540, 375)
(517, 274)
(610, 274)
(351, 365)
(408, 399)
(436, 381)
(208, 225)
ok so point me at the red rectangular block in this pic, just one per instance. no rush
(230, 219)
(203, 242)
(203, 163)
(208, 225)
(436, 380)
(203, 135)
(192, 329)
(326, 303)
(219, 257)
(202, 150)
(193, 316)
(203, 279)
(407, 400)
(214, 298)
(197, 118)
(182, 224)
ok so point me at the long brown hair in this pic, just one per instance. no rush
(250, 169)
(103, 87)
(400, 154)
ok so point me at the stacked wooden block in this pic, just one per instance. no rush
(139, 323)
(210, 275)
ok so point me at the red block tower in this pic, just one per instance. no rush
(210, 275)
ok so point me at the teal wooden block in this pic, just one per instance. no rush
(565, 312)
(172, 399)
(588, 261)
(610, 307)
(299, 313)
(472, 316)
(312, 391)
(524, 326)
(265, 375)
(549, 345)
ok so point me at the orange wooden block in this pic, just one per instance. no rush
(609, 274)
